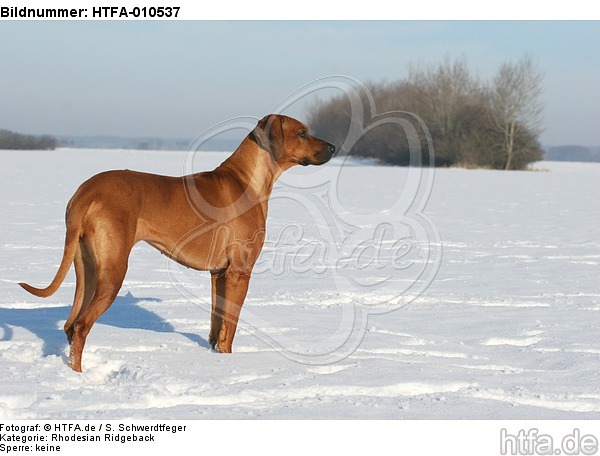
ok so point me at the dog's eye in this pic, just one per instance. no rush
(302, 134)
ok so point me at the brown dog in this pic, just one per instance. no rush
(211, 221)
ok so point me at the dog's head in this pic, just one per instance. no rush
(289, 142)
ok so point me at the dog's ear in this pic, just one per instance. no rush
(268, 134)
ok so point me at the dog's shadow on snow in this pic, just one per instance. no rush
(46, 322)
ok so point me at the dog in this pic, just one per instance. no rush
(210, 221)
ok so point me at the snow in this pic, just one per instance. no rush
(485, 306)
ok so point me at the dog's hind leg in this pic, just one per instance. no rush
(79, 294)
(109, 280)
(107, 254)
(85, 286)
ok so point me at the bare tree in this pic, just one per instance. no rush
(473, 123)
(515, 104)
(450, 100)
(444, 88)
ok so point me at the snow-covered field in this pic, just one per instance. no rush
(504, 324)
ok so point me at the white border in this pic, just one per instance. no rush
(359, 437)
(341, 10)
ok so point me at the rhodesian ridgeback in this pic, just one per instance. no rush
(210, 221)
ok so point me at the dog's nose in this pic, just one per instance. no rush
(331, 148)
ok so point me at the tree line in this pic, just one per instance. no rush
(473, 123)
(17, 141)
(573, 153)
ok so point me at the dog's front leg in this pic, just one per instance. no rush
(218, 306)
(235, 289)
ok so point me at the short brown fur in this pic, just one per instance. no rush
(212, 221)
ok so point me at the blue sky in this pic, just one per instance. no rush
(175, 79)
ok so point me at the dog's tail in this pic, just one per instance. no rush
(71, 243)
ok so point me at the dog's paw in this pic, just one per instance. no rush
(223, 348)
